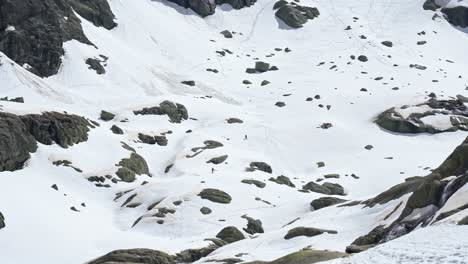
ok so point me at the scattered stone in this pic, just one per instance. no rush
(95, 64)
(280, 104)
(387, 43)
(264, 82)
(261, 66)
(188, 83)
(362, 58)
(233, 120)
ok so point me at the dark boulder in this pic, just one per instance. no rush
(176, 112)
(254, 226)
(307, 231)
(218, 160)
(323, 202)
(201, 7)
(306, 256)
(95, 64)
(107, 116)
(116, 130)
(97, 12)
(63, 129)
(230, 234)
(259, 184)
(261, 166)
(237, 4)
(130, 167)
(160, 140)
(215, 196)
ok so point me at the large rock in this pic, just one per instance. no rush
(307, 232)
(296, 16)
(176, 112)
(230, 234)
(254, 226)
(130, 167)
(135, 256)
(97, 12)
(63, 129)
(215, 196)
(15, 142)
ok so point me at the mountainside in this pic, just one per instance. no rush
(233, 131)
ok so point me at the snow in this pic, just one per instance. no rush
(155, 46)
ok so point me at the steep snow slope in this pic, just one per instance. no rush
(155, 46)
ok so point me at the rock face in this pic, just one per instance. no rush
(63, 129)
(325, 188)
(433, 116)
(137, 255)
(130, 167)
(41, 27)
(176, 112)
(295, 15)
(323, 202)
(15, 142)
(457, 16)
(427, 196)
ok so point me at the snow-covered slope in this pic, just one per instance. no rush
(155, 47)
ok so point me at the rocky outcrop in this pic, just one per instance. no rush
(433, 116)
(427, 196)
(326, 188)
(295, 15)
(137, 255)
(254, 226)
(306, 256)
(15, 142)
(32, 33)
(97, 12)
(457, 16)
(19, 135)
(2, 221)
(230, 234)
(307, 232)
(53, 127)
(176, 112)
